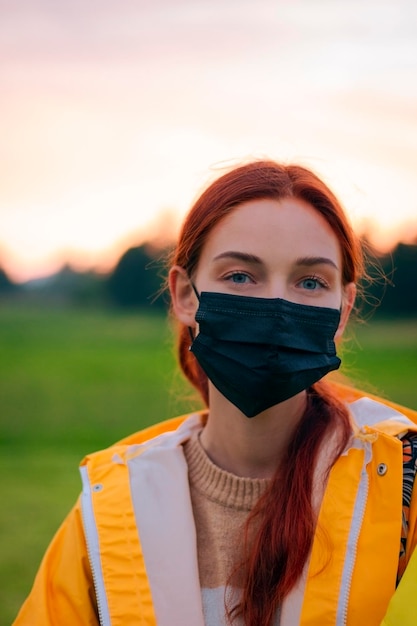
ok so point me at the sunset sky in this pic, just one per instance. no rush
(114, 114)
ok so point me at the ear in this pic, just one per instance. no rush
(348, 300)
(184, 300)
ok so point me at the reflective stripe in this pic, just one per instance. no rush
(93, 548)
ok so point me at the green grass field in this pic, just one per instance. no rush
(75, 381)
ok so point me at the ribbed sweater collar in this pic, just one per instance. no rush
(218, 485)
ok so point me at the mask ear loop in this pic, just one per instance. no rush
(190, 330)
(195, 290)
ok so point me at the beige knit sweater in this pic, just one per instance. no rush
(221, 502)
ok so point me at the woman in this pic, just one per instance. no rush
(280, 504)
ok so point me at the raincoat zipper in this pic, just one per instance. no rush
(93, 548)
(352, 547)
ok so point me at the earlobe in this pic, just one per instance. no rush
(184, 300)
(349, 295)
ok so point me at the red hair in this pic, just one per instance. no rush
(277, 551)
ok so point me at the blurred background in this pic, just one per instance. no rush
(114, 116)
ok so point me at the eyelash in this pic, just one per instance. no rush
(238, 273)
(323, 283)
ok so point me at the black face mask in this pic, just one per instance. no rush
(261, 351)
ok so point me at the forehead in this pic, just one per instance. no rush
(274, 228)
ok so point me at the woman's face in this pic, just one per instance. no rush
(273, 249)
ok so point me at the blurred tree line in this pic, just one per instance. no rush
(138, 282)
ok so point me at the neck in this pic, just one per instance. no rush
(251, 447)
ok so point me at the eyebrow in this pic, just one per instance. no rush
(239, 256)
(307, 261)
